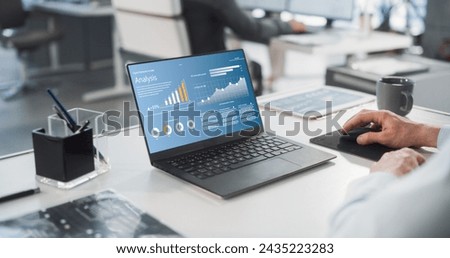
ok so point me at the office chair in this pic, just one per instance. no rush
(152, 28)
(14, 34)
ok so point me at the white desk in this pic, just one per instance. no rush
(333, 42)
(298, 206)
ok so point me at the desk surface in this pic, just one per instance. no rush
(333, 42)
(298, 206)
(343, 42)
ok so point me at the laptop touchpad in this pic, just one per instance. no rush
(263, 172)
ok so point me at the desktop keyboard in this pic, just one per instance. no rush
(84, 2)
(313, 39)
(226, 157)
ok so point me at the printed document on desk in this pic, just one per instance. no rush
(105, 214)
(312, 102)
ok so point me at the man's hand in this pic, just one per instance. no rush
(395, 131)
(398, 162)
(297, 27)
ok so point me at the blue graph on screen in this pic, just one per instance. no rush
(229, 92)
(210, 84)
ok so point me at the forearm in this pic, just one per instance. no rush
(414, 206)
(349, 219)
(444, 135)
(250, 28)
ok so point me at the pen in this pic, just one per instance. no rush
(63, 114)
(63, 110)
(83, 127)
(62, 117)
(19, 195)
(57, 112)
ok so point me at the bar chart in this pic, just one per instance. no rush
(179, 95)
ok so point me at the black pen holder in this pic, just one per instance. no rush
(63, 159)
(65, 149)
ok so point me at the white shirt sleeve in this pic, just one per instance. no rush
(415, 205)
(444, 134)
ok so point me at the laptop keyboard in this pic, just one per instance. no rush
(224, 158)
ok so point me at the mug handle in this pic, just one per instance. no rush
(409, 102)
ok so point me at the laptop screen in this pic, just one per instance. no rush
(192, 99)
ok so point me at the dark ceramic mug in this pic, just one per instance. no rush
(395, 94)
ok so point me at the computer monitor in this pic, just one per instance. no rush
(267, 5)
(330, 9)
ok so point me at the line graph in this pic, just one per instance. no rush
(222, 91)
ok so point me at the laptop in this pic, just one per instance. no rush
(202, 125)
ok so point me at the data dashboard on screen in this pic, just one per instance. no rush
(330, 9)
(191, 99)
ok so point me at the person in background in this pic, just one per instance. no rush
(206, 21)
(403, 196)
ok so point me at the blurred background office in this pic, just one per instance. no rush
(206, 22)
(79, 49)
